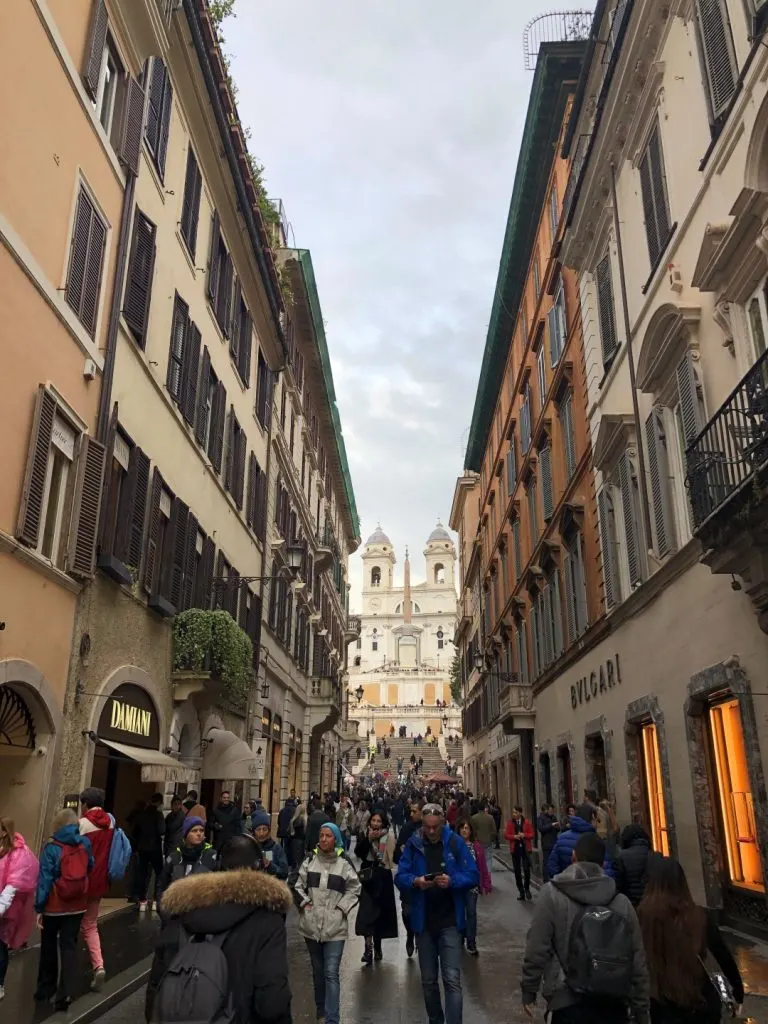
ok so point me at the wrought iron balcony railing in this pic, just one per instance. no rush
(732, 447)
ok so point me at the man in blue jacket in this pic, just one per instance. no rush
(561, 856)
(437, 870)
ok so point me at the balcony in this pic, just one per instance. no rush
(516, 710)
(353, 629)
(325, 700)
(325, 553)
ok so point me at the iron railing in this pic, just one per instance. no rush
(732, 447)
(555, 27)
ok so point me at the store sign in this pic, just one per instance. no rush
(130, 716)
(590, 687)
(257, 766)
(169, 773)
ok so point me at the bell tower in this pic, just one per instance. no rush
(440, 555)
(378, 565)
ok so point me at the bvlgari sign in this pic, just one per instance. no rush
(590, 687)
(130, 716)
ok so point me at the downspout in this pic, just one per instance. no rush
(646, 515)
(110, 352)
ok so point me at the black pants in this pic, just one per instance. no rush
(3, 962)
(521, 864)
(57, 972)
(583, 1013)
(151, 861)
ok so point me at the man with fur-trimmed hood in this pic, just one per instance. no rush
(250, 906)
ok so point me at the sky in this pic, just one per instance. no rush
(391, 130)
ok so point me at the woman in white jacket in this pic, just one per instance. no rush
(327, 890)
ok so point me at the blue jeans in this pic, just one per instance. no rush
(440, 952)
(326, 959)
(470, 930)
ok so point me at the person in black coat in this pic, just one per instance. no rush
(377, 913)
(632, 863)
(548, 826)
(226, 821)
(317, 818)
(250, 906)
(284, 819)
(174, 825)
(412, 825)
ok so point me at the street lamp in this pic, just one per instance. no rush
(359, 692)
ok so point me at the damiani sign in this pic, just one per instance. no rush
(590, 687)
(127, 718)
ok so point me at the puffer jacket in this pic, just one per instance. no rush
(632, 862)
(183, 861)
(561, 856)
(327, 889)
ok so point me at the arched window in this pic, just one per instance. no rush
(439, 573)
(376, 576)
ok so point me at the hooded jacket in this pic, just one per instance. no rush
(327, 889)
(183, 861)
(174, 829)
(580, 885)
(460, 866)
(284, 819)
(226, 821)
(632, 862)
(277, 861)
(47, 900)
(251, 907)
(19, 871)
(100, 828)
(562, 852)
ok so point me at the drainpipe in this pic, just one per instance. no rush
(646, 516)
(110, 352)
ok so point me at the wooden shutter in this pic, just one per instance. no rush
(243, 610)
(260, 511)
(190, 207)
(204, 577)
(250, 501)
(545, 460)
(92, 284)
(33, 491)
(175, 555)
(224, 298)
(95, 50)
(557, 615)
(150, 560)
(138, 287)
(631, 533)
(154, 104)
(214, 264)
(569, 442)
(129, 150)
(570, 604)
(83, 285)
(246, 340)
(234, 322)
(105, 490)
(511, 469)
(659, 181)
(233, 593)
(179, 327)
(253, 629)
(718, 55)
(609, 566)
(658, 470)
(545, 617)
(554, 342)
(86, 503)
(229, 453)
(580, 585)
(239, 469)
(606, 308)
(165, 122)
(688, 392)
(218, 418)
(202, 397)
(189, 372)
(219, 597)
(651, 229)
(190, 562)
(133, 506)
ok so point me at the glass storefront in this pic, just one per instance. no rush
(654, 793)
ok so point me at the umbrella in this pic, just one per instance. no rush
(441, 778)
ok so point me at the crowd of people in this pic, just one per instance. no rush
(614, 932)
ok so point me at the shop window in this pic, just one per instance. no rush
(594, 756)
(654, 793)
(546, 778)
(565, 774)
(734, 793)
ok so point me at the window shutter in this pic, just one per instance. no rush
(566, 419)
(95, 51)
(204, 578)
(155, 105)
(545, 616)
(86, 502)
(150, 561)
(609, 567)
(190, 207)
(233, 593)
(219, 597)
(606, 308)
(570, 616)
(244, 610)
(631, 533)
(202, 397)
(240, 469)
(214, 265)
(189, 373)
(580, 586)
(518, 552)
(133, 121)
(130, 529)
(718, 54)
(253, 629)
(260, 511)
(165, 122)
(659, 180)
(250, 503)
(224, 298)
(688, 391)
(536, 637)
(179, 328)
(33, 492)
(78, 257)
(545, 459)
(651, 229)
(554, 348)
(659, 473)
(108, 457)
(557, 615)
(138, 287)
(233, 322)
(229, 453)
(218, 418)
(511, 470)
(190, 562)
(524, 673)
(246, 340)
(92, 284)
(176, 555)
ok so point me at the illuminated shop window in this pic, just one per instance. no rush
(653, 789)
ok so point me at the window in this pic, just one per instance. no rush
(542, 374)
(653, 184)
(106, 93)
(375, 576)
(610, 546)
(256, 505)
(569, 441)
(757, 317)
(138, 285)
(374, 645)
(533, 517)
(158, 117)
(536, 277)
(190, 206)
(439, 574)
(547, 620)
(554, 213)
(659, 472)
(558, 328)
(575, 588)
(234, 471)
(525, 420)
(263, 391)
(518, 548)
(630, 502)
(718, 56)
(183, 360)
(292, 441)
(241, 337)
(160, 546)
(511, 467)
(606, 311)
(220, 278)
(86, 261)
(547, 494)
(123, 507)
(654, 789)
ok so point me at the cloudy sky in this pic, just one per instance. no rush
(391, 132)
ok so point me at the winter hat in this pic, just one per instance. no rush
(190, 822)
(337, 833)
(260, 817)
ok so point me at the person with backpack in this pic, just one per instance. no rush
(193, 856)
(585, 947)
(561, 857)
(61, 901)
(632, 862)
(100, 829)
(678, 937)
(326, 891)
(284, 834)
(222, 952)
(19, 871)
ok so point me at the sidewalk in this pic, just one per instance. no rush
(127, 940)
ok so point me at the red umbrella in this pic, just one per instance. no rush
(441, 778)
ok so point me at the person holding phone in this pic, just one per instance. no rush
(377, 914)
(275, 860)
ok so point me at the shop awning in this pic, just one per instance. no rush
(155, 765)
(228, 757)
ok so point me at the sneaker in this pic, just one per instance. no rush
(2, 992)
(367, 957)
(409, 946)
(143, 905)
(378, 955)
(99, 977)
(153, 904)
(528, 894)
(521, 897)
(472, 949)
(61, 1005)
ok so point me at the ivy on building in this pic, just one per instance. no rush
(456, 691)
(205, 641)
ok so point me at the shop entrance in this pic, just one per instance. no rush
(594, 756)
(23, 773)
(120, 778)
(565, 776)
(277, 762)
(653, 787)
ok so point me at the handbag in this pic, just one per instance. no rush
(723, 988)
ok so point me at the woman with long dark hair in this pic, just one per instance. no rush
(377, 913)
(678, 935)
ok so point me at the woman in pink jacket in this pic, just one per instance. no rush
(18, 878)
(478, 852)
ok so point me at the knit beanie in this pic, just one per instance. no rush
(190, 822)
(260, 817)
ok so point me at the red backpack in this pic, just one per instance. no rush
(72, 884)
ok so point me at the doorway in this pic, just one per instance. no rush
(594, 756)
(565, 776)
(545, 778)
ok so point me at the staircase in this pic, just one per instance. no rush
(433, 759)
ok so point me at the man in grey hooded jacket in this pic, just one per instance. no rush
(582, 884)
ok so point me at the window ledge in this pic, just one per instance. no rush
(675, 565)
(115, 569)
(187, 253)
(153, 171)
(162, 606)
(36, 561)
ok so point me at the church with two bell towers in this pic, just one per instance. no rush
(401, 664)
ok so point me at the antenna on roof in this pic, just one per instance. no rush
(555, 27)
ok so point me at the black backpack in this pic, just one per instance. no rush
(195, 988)
(601, 953)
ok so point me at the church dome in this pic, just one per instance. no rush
(378, 537)
(439, 535)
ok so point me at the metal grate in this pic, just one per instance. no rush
(555, 27)
(17, 728)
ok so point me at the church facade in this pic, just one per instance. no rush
(401, 665)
